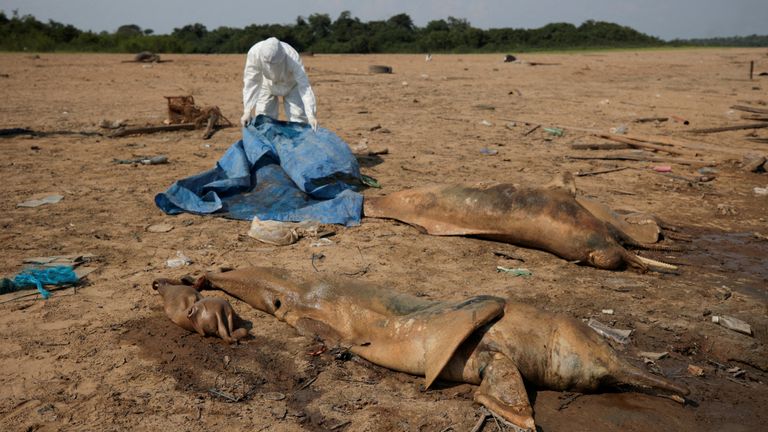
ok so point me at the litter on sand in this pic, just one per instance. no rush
(618, 335)
(50, 199)
(38, 277)
(514, 271)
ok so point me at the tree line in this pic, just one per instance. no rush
(321, 34)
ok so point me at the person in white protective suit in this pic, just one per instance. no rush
(272, 69)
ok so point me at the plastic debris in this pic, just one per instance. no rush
(50, 199)
(37, 277)
(618, 335)
(370, 181)
(732, 323)
(652, 355)
(695, 370)
(144, 160)
(486, 123)
(181, 260)
(159, 228)
(662, 168)
(321, 242)
(607, 311)
(761, 191)
(554, 131)
(488, 152)
(514, 271)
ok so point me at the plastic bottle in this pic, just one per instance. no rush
(732, 323)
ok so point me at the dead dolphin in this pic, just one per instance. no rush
(482, 340)
(547, 218)
(212, 316)
(177, 299)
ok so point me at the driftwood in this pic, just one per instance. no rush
(651, 119)
(755, 117)
(758, 140)
(641, 158)
(605, 171)
(732, 128)
(125, 131)
(638, 144)
(750, 109)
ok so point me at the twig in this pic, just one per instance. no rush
(318, 256)
(24, 131)
(749, 109)
(639, 158)
(601, 146)
(341, 425)
(479, 425)
(151, 129)
(308, 383)
(651, 119)
(531, 130)
(605, 171)
(637, 144)
(221, 394)
(732, 128)
(568, 400)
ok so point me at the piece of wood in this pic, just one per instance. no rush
(732, 128)
(601, 146)
(755, 117)
(642, 158)
(151, 129)
(749, 109)
(605, 171)
(651, 119)
(751, 69)
(671, 141)
(530, 131)
(758, 140)
(638, 144)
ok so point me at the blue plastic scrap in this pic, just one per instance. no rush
(279, 171)
(37, 277)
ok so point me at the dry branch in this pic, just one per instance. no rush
(732, 128)
(750, 109)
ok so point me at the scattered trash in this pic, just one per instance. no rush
(380, 69)
(695, 370)
(655, 356)
(509, 58)
(662, 168)
(143, 160)
(620, 336)
(510, 125)
(484, 107)
(680, 120)
(369, 181)
(404, 83)
(280, 233)
(428, 57)
(737, 372)
(707, 170)
(107, 124)
(73, 260)
(181, 260)
(488, 152)
(50, 199)
(486, 123)
(37, 277)
(732, 323)
(146, 57)
(761, 191)
(514, 271)
(727, 210)
(619, 130)
(159, 228)
(554, 131)
(754, 163)
(607, 311)
(321, 242)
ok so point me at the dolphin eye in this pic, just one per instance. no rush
(277, 304)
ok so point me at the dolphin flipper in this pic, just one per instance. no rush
(503, 392)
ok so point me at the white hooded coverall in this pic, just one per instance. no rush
(273, 69)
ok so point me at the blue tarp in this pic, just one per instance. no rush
(279, 171)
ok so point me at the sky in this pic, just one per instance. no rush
(667, 19)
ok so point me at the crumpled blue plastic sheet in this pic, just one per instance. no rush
(279, 171)
(37, 277)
